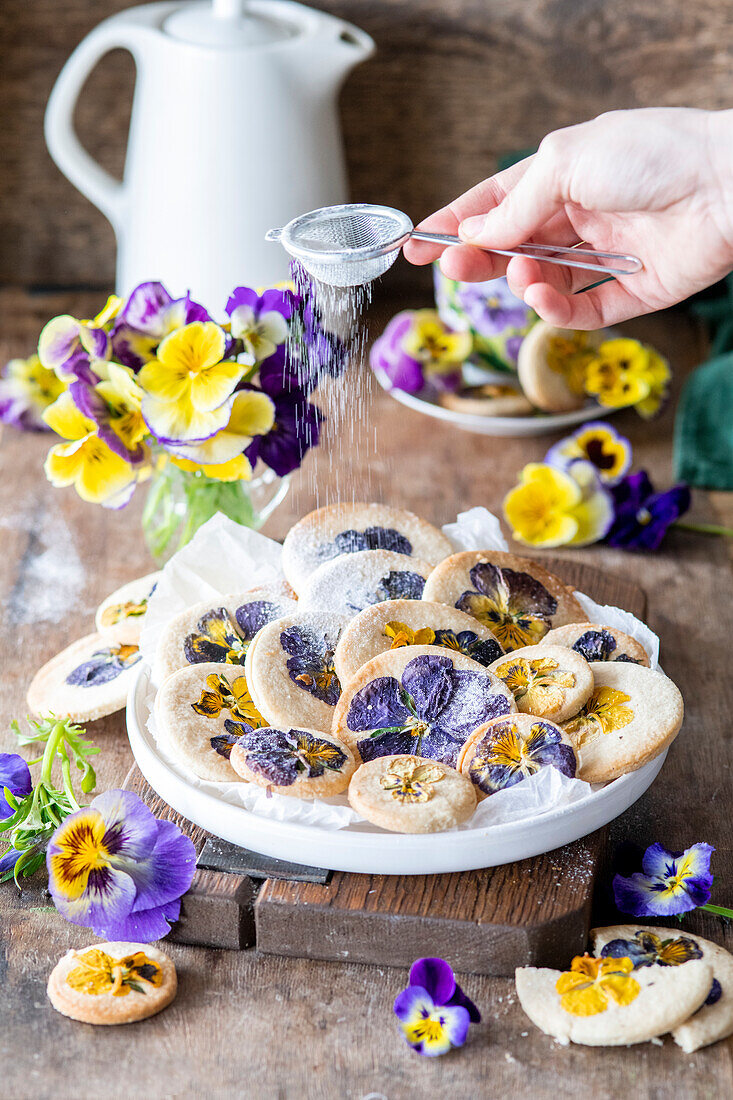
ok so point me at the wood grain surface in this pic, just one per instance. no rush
(273, 1028)
(453, 85)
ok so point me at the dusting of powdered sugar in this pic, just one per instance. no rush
(349, 583)
(51, 577)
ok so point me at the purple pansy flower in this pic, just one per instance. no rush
(114, 868)
(259, 322)
(512, 346)
(399, 584)
(104, 665)
(598, 644)
(219, 636)
(466, 641)
(515, 606)
(372, 538)
(295, 431)
(310, 663)
(149, 315)
(430, 713)
(16, 776)
(89, 402)
(388, 355)
(504, 756)
(648, 949)
(642, 516)
(492, 309)
(281, 756)
(669, 882)
(433, 1011)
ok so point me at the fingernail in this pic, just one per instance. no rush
(471, 227)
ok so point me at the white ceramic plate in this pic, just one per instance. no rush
(539, 424)
(363, 848)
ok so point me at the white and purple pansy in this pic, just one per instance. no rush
(74, 349)
(505, 756)
(434, 1013)
(104, 665)
(149, 315)
(430, 712)
(310, 661)
(600, 645)
(259, 322)
(283, 755)
(223, 637)
(91, 404)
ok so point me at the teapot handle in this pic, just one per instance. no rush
(71, 157)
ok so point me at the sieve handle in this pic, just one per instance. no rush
(625, 265)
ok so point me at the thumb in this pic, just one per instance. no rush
(537, 196)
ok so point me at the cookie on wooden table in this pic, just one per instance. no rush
(352, 582)
(489, 399)
(121, 615)
(551, 366)
(302, 763)
(606, 1003)
(290, 669)
(348, 528)
(202, 710)
(633, 714)
(411, 794)
(396, 623)
(598, 643)
(671, 947)
(516, 598)
(418, 700)
(550, 682)
(89, 679)
(220, 630)
(112, 983)
(507, 750)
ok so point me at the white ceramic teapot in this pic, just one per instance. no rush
(234, 129)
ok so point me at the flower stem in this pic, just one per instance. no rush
(719, 910)
(57, 735)
(703, 528)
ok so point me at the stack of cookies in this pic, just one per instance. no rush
(417, 679)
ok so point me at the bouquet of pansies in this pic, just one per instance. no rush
(154, 384)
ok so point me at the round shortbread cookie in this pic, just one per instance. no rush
(396, 623)
(87, 680)
(202, 710)
(347, 528)
(652, 947)
(544, 345)
(516, 598)
(489, 399)
(112, 983)
(419, 701)
(411, 794)
(552, 682)
(598, 643)
(219, 631)
(346, 585)
(633, 714)
(121, 615)
(291, 672)
(507, 750)
(297, 762)
(659, 999)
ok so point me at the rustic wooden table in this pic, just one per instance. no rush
(267, 1027)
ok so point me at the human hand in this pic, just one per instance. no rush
(657, 183)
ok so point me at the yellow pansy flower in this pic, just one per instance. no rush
(402, 635)
(251, 413)
(186, 387)
(411, 781)
(435, 346)
(123, 398)
(625, 372)
(569, 355)
(603, 713)
(97, 973)
(552, 507)
(539, 682)
(85, 461)
(586, 988)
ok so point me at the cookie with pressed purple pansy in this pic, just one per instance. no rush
(509, 749)
(292, 761)
(348, 584)
(201, 711)
(290, 669)
(419, 700)
(120, 616)
(516, 598)
(348, 528)
(219, 630)
(669, 947)
(394, 624)
(598, 643)
(411, 794)
(548, 681)
(89, 679)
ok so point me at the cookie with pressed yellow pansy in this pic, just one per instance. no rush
(290, 669)
(89, 679)
(201, 711)
(411, 794)
(219, 630)
(598, 643)
(348, 584)
(608, 1003)
(394, 624)
(632, 715)
(668, 947)
(346, 528)
(547, 681)
(516, 598)
(112, 983)
(507, 750)
(121, 615)
(292, 761)
(552, 364)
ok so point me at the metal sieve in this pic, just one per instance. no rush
(354, 243)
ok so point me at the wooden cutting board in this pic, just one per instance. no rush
(535, 912)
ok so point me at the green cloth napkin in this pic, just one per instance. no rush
(703, 430)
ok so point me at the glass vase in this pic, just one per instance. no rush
(179, 502)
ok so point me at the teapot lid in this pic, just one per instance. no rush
(228, 24)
